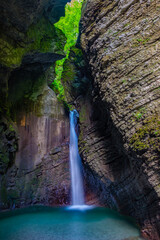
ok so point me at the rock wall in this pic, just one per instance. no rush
(34, 126)
(120, 126)
(39, 173)
(28, 36)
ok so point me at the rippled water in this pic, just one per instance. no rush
(46, 223)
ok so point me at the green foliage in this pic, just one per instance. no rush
(143, 41)
(70, 23)
(70, 27)
(124, 81)
(139, 41)
(139, 114)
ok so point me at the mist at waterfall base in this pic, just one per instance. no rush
(78, 222)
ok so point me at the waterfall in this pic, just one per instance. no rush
(75, 163)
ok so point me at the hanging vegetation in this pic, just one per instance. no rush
(70, 27)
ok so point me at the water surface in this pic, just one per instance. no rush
(46, 223)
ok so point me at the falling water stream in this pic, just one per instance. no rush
(75, 163)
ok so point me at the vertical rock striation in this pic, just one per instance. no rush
(39, 173)
(121, 137)
(34, 127)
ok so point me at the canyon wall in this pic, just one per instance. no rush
(120, 122)
(117, 96)
(34, 126)
(39, 171)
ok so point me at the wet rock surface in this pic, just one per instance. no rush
(39, 173)
(120, 135)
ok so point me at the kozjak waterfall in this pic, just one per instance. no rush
(93, 172)
(75, 163)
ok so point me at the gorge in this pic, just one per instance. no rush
(110, 75)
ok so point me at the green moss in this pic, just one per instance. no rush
(142, 41)
(11, 128)
(42, 36)
(27, 97)
(68, 72)
(77, 51)
(116, 33)
(124, 81)
(148, 136)
(83, 114)
(9, 54)
(139, 114)
(139, 41)
(126, 25)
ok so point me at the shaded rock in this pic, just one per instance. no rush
(39, 61)
(17, 16)
(121, 138)
(40, 58)
(40, 171)
(8, 144)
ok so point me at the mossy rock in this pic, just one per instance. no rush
(147, 136)
(83, 114)
(42, 37)
(69, 72)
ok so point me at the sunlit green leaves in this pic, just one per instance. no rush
(70, 27)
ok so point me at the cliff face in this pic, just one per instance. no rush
(39, 171)
(34, 127)
(26, 28)
(120, 126)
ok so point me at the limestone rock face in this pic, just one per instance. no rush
(40, 171)
(28, 37)
(120, 142)
(34, 128)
